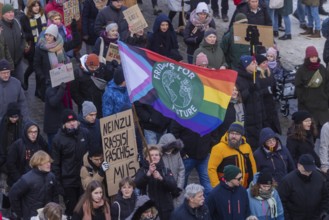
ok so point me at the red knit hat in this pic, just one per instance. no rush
(92, 60)
(311, 52)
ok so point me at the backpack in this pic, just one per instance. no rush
(325, 28)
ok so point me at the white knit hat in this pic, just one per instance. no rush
(52, 30)
(202, 7)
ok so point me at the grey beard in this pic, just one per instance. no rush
(234, 145)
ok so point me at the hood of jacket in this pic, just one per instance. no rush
(143, 203)
(112, 85)
(168, 142)
(25, 136)
(266, 134)
(159, 20)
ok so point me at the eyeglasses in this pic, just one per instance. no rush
(239, 178)
(32, 132)
(271, 140)
(14, 116)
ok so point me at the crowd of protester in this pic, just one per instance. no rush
(245, 171)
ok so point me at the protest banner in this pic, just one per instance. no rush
(245, 33)
(119, 148)
(135, 19)
(113, 53)
(71, 10)
(61, 74)
(129, 3)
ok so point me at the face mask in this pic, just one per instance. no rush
(71, 131)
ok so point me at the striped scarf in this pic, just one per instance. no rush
(56, 53)
(36, 30)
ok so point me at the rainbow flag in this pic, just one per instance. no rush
(196, 97)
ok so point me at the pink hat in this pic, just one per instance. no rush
(272, 51)
(201, 59)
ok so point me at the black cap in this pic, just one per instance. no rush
(4, 65)
(308, 162)
(300, 116)
(68, 115)
(265, 177)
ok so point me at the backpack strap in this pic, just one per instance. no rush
(119, 210)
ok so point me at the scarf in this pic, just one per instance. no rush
(195, 20)
(67, 99)
(108, 40)
(38, 23)
(272, 64)
(239, 112)
(100, 4)
(87, 215)
(313, 66)
(55, 50)
(268, 196)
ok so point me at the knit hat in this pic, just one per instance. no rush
(266, 134)
(308, 162)
(92, 60)
(201, 59)
(7, 8)
(52, 30)
(300, 116)
(260, 59)
(202, 7)
(210, 31)
(118, 76)
(95, 151)
(237, 127)
(111, 26)
(272, 51)
(265, 178)
(311, 52)
(240, 18)
(4, 65)
(13, 109)
(230, 172)
(87, 108)
(246, 60)
(68, 115)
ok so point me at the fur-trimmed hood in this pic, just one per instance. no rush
(168, 142)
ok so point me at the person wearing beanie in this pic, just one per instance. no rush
(304, 182)
(201, 60)
(229, 199)
(232, 150)
(69, 146)
(210, 46)
(90, 82)
(273, 156)
(240, 18)
(115, 98)
(301, 136)
(274, 64)
(200, 20)
(263, 196)
(312, 81)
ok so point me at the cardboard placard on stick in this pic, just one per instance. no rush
(113, 53)
(135, 19)
(260, 34)
(119, 147)
(71, 10)
(129, 3)
(61, 74)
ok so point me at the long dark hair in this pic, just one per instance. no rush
(30, 13)
(298, 132)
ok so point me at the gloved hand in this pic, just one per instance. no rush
(105, 166)
(176, 193)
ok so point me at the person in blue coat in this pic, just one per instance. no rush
(264, 200)
(271, 155)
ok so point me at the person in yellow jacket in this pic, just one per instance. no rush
(232, 150)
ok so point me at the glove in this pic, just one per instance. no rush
(105, 166)
(176, 193)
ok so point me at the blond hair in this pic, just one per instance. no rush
(40, 157)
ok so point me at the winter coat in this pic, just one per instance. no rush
(228, 203)
(303, 198)
(4, 51)
(67, 152)
(33, 191)
(115, 99)
(233, 51)
(261, 208)
(195, 146)
(298, 147)
(11, 91)
(214, 53)
(54, 108)
(271, 118)
(14, 38)
(122, 208)
(158, 191)
(193, 40)
(279, 162)
(98, 213)
(151, 119)
(287, 8)
(94, 130)
(20, 153)
(252, 98)
(143, 203)
(137, 41)
(317, 107)
(110, 13)
(222, 154)
(90, 172)
(163, 43)
(326, 52)
(324, 146)
(185, 211)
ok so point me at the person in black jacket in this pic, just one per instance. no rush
(21, 151)
(157, 181)
(303, 192)
(68, 148)
(34, 189)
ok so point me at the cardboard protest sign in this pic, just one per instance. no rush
(1, 6)
(113, 53)
(135, 19)
(71, 10)
(245, 33)
(129, 3)
(119, 147)
(61, 74)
